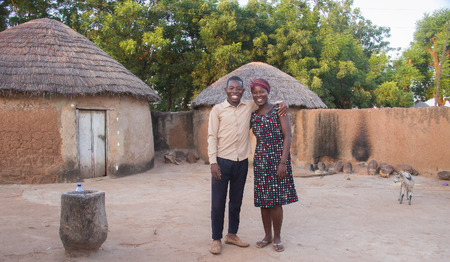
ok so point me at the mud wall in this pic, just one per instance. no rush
(419, 137)
(30, 144)
(173, 130)
(201, 119)
(38, 137)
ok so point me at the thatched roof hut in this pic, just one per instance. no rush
(46, 57)
(68, 110)
(284, 87)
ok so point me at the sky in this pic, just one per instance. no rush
(399, 15)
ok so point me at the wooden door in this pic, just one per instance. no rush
(92, 143)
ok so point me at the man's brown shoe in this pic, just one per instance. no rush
(216, 247)
(235, 241)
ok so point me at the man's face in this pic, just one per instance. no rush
(234, 91)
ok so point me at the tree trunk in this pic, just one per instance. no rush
(169, 98)
(439, 101)
(436, 66)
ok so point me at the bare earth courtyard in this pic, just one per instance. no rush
(164, 215)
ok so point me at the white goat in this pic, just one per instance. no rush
(406, 186)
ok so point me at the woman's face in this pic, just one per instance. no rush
(260, 95)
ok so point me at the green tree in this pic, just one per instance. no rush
(176, 62)
(430, 35)
(4, 14)
(75, 13)
(157, 41)
(222, 39)
(21, 11)
(413, 72)
(329, 47)
(390, 95)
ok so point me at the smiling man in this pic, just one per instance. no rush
(228, 151)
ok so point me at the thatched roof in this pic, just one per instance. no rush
(283, 87)
(44, 56)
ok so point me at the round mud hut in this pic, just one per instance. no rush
(283, 88)
(68, 110)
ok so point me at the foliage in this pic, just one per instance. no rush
(390, 95)
(180, 47)
(424, 56)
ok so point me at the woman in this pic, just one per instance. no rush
(274, 185)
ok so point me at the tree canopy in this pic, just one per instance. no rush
(181, 47)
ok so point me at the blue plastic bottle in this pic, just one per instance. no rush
(79, 189)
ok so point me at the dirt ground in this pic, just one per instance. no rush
(164, 215)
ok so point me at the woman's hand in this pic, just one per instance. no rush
(281, 171)
(283, 109)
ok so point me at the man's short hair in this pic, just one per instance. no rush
(237, 78)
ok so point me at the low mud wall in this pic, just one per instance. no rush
(173, 130)
(419, 137)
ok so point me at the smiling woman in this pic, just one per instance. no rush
(260, 92)
(273, 181)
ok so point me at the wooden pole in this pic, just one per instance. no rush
(440, 69)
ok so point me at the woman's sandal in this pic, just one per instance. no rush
(262, 243)
(278, 247)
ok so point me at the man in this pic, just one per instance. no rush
(228, 150)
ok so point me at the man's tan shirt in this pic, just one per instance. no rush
(228, 131)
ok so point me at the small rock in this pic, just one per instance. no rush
(322, 167)
(180, 155)
(408, 169)
(171, 158)
(191, 157)
(348, 168)
(444, 175)
(383, 174)
(386, 170)
(361, 164)
(309, 167)
(372, 168)
(339, 167)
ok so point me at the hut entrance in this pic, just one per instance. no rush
(92, 143)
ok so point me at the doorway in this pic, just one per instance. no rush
(92, 143)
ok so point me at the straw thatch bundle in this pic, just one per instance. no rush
(283, 87)
(44, 56)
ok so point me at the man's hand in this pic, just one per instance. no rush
(215, 171)
(283, 110)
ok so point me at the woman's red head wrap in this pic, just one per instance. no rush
(261, 83)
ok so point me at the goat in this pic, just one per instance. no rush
(406, 186)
